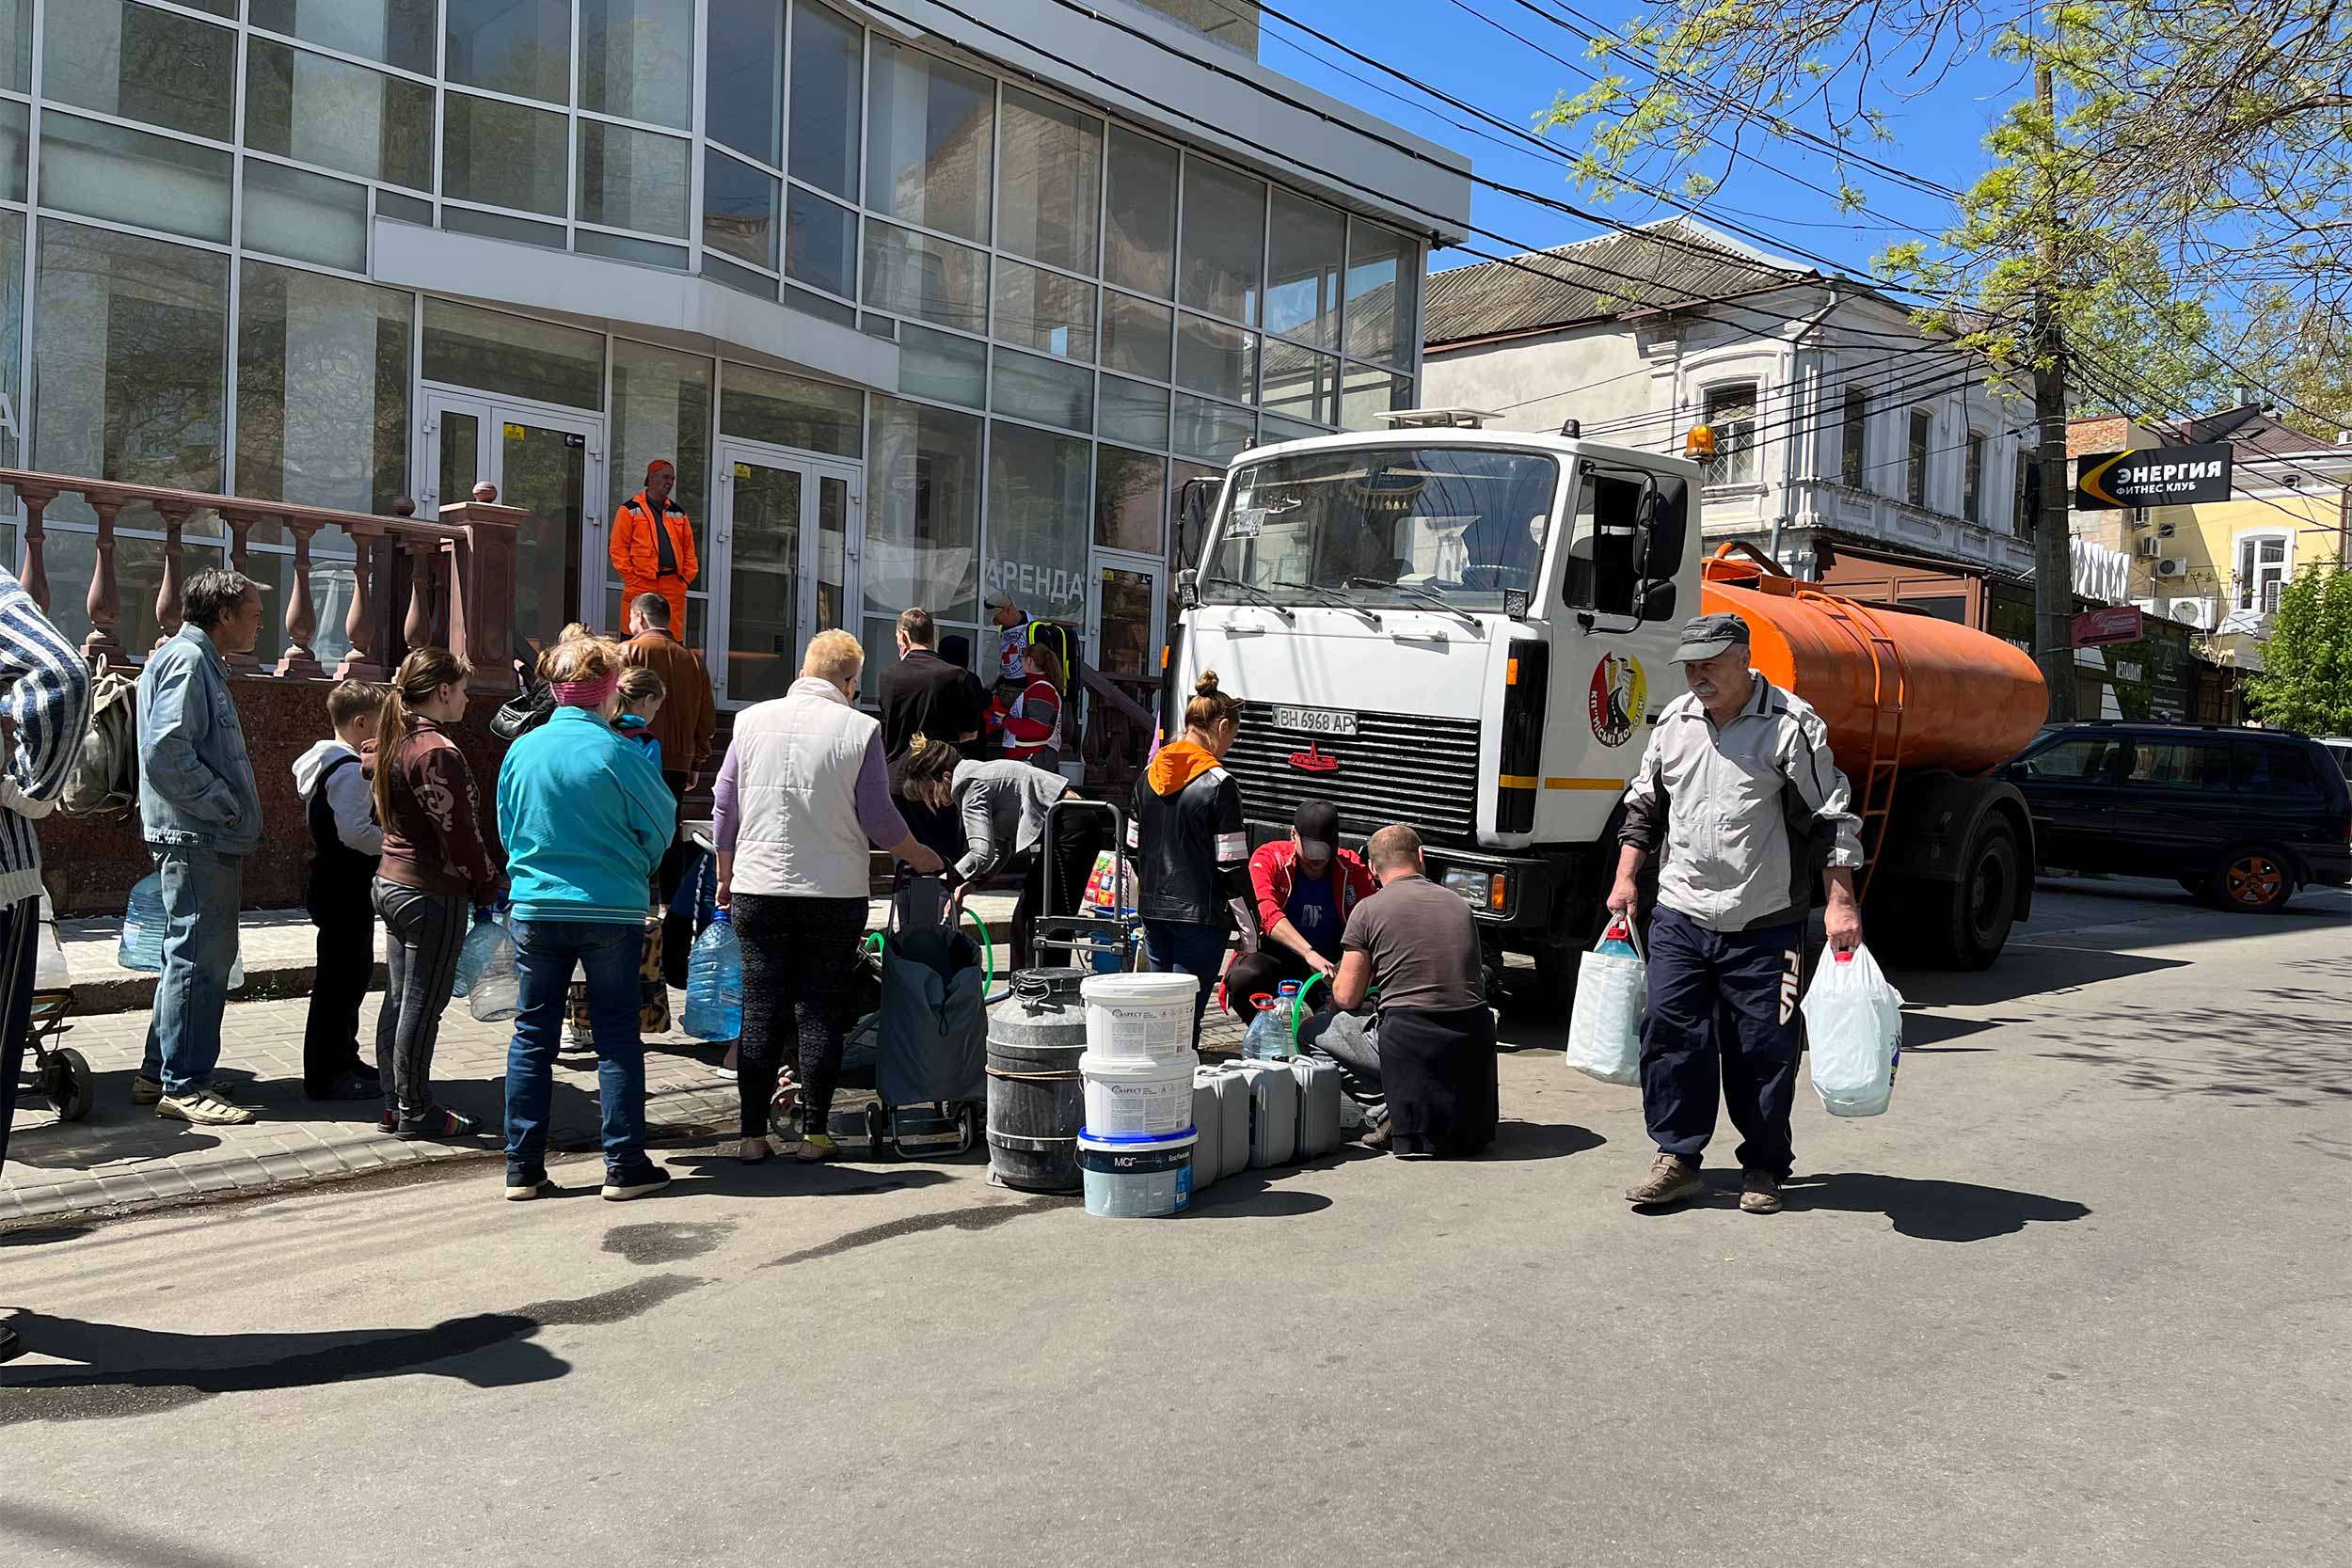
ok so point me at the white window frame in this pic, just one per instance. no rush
(2258, 589)
(1724, 471)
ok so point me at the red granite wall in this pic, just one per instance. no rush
(89, 863)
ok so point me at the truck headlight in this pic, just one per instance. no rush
(1489, 891)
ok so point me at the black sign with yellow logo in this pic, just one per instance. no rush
(2154, 476)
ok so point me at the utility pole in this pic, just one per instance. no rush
(2053, 541)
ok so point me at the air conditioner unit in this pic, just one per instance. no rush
(2147, 548)
(2201, 614)
(2166, 531)
(2172, 566)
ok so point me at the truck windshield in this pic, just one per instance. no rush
(1385, 525)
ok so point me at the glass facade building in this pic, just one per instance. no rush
(268, 247)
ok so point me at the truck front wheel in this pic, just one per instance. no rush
(1965, 925)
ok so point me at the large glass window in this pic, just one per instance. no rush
(661, 409)
(942, 365)
(321, 390)
(1383, 293)
(1052, 182)
(1212, 429)
(16, 129)
(1130, 499)
(1134, 412)
(743, 60)
(790, 411)
(1136, 336)
(1139, 247)
(637, 59)
(916, 274)
(519, 46)
(397, 32)
(1046, 390)
(291, 211)
(302, 105)
(739, 209)
(1039, 518)
(122, 59)
(1216, 360)
(632, 179)
(930, 129)
(1301, 384)
(11, 338)
(125, 176)
(828, 73)
(515, 354)
(1044, 310)
(1302, 294)
(820, 242)
(502, 154)
(16, 67)
(1224, 240)
(1365, 395)
(923, 513)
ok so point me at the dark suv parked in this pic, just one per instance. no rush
(2241, 817)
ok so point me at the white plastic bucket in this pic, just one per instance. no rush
(1137, 1100)
(1140, 1018)
(1141, 1178)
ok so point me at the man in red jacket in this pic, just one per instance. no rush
(1306, 887)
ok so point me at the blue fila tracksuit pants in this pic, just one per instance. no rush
(1728, 998)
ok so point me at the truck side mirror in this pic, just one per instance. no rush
(1655, 600)
(1194, 497)
(1189, 589)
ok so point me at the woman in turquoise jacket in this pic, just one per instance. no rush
(585, 818)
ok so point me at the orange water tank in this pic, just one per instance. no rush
(1969, 701)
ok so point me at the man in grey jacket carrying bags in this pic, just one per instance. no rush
(1739, 794)
(202, 816)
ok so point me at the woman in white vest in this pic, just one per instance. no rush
(802, 792)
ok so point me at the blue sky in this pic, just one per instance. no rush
(1444, 42)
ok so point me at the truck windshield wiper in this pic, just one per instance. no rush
(1332, 596)
(1257, 595)
(1418, 595)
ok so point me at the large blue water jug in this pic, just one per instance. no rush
(497, 991)
(1269, 1035)
(480, 943)
(142, 945)
(714, 983)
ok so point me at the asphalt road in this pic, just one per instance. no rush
(2081, 1298)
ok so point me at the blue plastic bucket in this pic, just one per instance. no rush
(1136, 1178)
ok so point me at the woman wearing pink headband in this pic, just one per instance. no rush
(586, 817)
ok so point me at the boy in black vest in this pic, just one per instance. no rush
(345, 842)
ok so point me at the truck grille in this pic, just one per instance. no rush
(1397, 767)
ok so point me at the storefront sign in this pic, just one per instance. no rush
(2118, 623)
(2158, 476)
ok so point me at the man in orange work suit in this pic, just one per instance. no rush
(653, 545)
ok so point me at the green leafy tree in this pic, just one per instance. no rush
(2306, 682)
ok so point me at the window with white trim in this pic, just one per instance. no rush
(2264, 562)
(1915, 470)
(1971, 481)
(1731, 415)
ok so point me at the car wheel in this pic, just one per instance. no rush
(2256, 881)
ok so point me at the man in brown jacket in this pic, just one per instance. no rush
(684, 726)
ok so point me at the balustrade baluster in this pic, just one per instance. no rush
(167, 591)
(302, 619)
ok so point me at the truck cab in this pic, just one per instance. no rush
(1460, 629)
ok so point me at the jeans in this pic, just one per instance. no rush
(20, 933)
(345, 920)
(425, 932)
(1722, 1000)
(203, 889)
(545, 953)
(1350, 1042)
(1196, 949)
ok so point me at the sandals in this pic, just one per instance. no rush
(437, 1123)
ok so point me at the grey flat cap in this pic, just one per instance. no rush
(1705, 636)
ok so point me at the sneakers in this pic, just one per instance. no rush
(522, 1186)
(205, 1107)
(1759, 1193)
(817, 1148)
(1672, 1179)
(1375, 1136)
(620, 1187)
(145, 1090)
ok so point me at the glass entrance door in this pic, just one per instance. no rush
(785, 563)
(1127, 626)
(547, 461)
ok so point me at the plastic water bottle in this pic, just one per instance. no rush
(496, 991)
(1286, 1012)
(714, 982)
(1617, 942)
(481, 941)
(143, 923)
(1269, 1035)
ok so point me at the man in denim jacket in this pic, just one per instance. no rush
(202, 816)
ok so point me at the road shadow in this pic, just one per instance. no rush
(1253, 1194)
(720, 1174)
(1924, 1031)
(2025, 969)
(125, 1371)
(1537, 1140)
(79, 1534)
(1927, 1209)
(116, 1133)
(2280, 1045)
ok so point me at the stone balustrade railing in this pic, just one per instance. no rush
(460, 574)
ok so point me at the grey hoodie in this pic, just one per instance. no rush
(347, 795)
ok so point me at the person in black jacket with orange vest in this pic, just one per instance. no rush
(1191, 847)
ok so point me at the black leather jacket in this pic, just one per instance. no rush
(1191, 848)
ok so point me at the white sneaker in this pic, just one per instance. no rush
(205, 1107)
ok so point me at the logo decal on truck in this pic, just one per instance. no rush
(1620, 693)
(1314, 760)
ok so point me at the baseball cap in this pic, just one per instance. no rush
(1318, 826)
(999, 599)
(1705, 636)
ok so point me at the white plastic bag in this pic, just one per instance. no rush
(1854, 1026)
(1605, 1029)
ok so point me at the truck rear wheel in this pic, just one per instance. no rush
(1965, 925)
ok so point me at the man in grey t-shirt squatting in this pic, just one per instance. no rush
(1739, 793)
